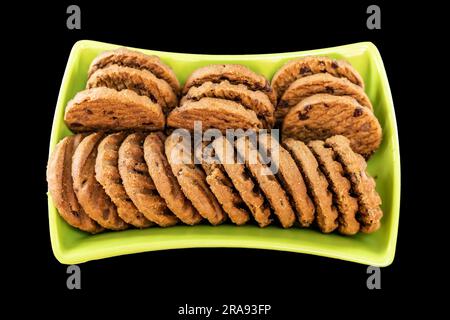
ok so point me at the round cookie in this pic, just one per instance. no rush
(310, 65)
(234, 73)
(243, 182)
(363, 185)
(322, 116)
(191, 178)
(165, 182)
(267, 181)
(252, 100)
(290, 179)
(346, 204)
(320, 83)
(91, 195)
(60, 186)
(317, 184)
(137, 60)
(139, 185)
(223, 188)
(142, 82)
(213, 113)
(107, 174)
(108, 109)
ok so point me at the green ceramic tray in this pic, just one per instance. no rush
(71, 246)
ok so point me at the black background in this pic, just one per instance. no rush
(159, 282)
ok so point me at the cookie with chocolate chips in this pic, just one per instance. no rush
(142, 82)
(136, 60)
(191, 178)
(326, 214)
(234, 73)
(322, 116)
(363, 185)
(91, 195)
(165, 182)
(60, 186)
(223, 188)
(319, 83)
(243, 182)
(346, 204)
(111, 110)
(107, 174)
(213, 113)
(310, 65)
(139, 185)
(256, 101)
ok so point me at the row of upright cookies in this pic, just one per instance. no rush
(127, 178)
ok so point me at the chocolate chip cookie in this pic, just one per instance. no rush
(252, 100)
(310, 65)
(91, 195)
(243, 181)
(142, 82)
(363, 185)
(322, 116)
(346, 204)
(290, 178)
(165, 182)
(139, 185)
(112, 110)
(234, 73)
(320, 83)
(191, 178)
(317, 184)
(223, 188)
(107, 174)
(136, 60)
(60, 185)
(213, 113)
(267, 181)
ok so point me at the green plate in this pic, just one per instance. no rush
(71, 246)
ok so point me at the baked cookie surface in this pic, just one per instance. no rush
(322, 116)
(90, 193)
(139, 185)
(60, 185)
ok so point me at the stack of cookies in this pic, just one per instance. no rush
(119, 180)
(120, 170)
(225, 96)
(318, 97)
(125, 90)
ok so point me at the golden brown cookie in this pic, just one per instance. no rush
(310, 65)
(223, 188)
(267, 181)
(139, 185)
(243, 181)
(317, 184)
(252, 100)
(164, 180)
(322, 116)
(142, 82)
(112, 110)
(346, 204)
(290, 178)
(91, 195)
(107, 174)
(234, 73)
(60, 185)
(213, 113)
(363, 185)
(320, 83)
(191, 178)
(137, 60)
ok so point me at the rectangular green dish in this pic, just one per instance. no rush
(71, 246)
